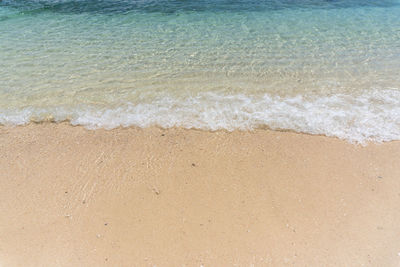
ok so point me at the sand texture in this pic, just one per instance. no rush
(153, 197)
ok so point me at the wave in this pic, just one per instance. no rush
(371, 116)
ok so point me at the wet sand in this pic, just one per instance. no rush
(154, 197)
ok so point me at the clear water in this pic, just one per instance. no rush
(321, 67)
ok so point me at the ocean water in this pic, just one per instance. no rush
(328, 67)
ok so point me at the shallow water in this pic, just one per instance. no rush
(321, 67)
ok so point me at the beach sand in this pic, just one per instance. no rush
(154, 197)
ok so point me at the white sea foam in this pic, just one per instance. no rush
(372, 116)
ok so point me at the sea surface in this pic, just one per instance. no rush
(329, 67)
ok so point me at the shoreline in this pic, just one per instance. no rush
(262, 128)
(370, 116)
(168, 197)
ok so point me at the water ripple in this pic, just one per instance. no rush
(176, 6)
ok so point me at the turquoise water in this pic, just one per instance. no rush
(320, 67)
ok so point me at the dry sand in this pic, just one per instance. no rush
(145, 197)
